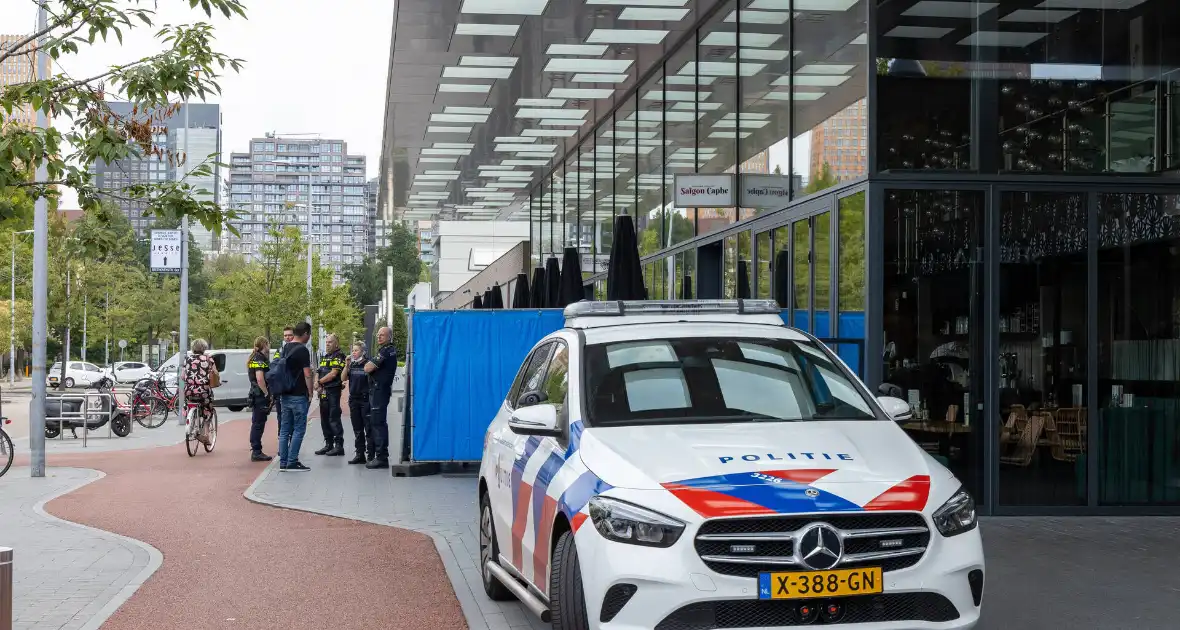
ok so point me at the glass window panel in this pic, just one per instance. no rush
(827, 87)
(764, 265)
(801, 275)
(648, 182)
(850, 300)
(602, 169)
(729, 268)
(679, 133)
(762, 128)
(822, 272)
(716, 149)
(1139, 349)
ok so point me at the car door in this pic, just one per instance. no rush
(92, 373)
(547, 460)
(76, 372)
(507, 454)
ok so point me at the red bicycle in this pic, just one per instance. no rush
(151, 402)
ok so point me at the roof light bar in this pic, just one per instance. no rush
(671, 307)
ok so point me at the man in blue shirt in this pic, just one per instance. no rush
(381, 368)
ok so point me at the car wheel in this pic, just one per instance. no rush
(489, 550)
(235, 408)
(69, 383)
(567, 602)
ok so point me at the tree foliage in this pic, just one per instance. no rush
(367, 279)
(187, 67)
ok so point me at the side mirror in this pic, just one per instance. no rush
(897, 408)
(535, 420)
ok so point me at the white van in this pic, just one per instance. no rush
(234, 392)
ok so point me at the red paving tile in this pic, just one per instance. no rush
(230, 563)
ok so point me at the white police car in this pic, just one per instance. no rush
(696, 465)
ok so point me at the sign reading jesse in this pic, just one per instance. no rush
(165, 256)
(704, 191)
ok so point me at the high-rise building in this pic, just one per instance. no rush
(371, 193)
(276, 179)
(425, 235)
(841, 143)
(19, 68)
(173, 164)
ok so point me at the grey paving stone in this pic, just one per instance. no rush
(65, 576)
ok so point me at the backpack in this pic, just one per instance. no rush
(279, 379)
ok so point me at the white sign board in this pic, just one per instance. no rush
(765, 191)
(589, 263)
(704, 191)
(165, 251)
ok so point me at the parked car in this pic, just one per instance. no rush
(235, 381)
(128, 371)
(78, 374)
(697, 465)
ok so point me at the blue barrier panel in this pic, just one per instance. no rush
(852, 326)
(464, 363)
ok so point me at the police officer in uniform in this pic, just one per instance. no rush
(288, 336)
(381, 368)
(329, 381)
(358, 403)
(256, 366)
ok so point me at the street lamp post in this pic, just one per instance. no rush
(12, 311)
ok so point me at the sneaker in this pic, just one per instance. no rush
(297, 467)
(259, 456)
(282, 468)
(323, 451)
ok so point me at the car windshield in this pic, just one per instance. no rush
(712, 379)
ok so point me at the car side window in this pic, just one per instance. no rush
(557, 378)
(532, 374)
(76, 366)
(90, 367)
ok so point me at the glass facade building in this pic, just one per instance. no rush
(992, 232)
(980, 207)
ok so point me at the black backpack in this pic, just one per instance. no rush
(279, 379)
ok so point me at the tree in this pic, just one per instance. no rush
(186, 68)
(822, 180)
(367, 279)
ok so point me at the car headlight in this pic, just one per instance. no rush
(627, 523)
(957, 515)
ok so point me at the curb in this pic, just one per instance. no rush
(467, 601)
(155, 558)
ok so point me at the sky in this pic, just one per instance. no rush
(312, 66)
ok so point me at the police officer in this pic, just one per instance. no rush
(288, 336)
(358, 403)
(256, 366)
(381, 368)
(329, 381)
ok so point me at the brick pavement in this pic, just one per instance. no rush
(66, 576)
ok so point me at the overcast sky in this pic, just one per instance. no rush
(312, 66)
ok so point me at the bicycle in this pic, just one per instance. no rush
(7, 452)
(197, 424)
(149, 400)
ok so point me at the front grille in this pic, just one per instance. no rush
(928, 607)
(745, 547)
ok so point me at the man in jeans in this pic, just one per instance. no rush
(293, 417)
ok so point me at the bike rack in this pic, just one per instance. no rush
(86, 413)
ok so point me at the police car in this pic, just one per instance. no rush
(696, 465)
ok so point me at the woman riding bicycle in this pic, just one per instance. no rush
(200, 377)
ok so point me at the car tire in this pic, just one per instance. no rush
(235, 408)
(489, 549)
(567, 601)
(121, 425)
(69, 383)
(52, 431)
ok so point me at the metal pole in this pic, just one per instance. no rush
(106, 342)
(65, 360)
(40, 281)
(85, 312)
(5, 588)
(389, 296)
(12, 311)
(183, 341)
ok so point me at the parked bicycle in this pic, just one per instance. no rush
(7, 452)
(199, 428)
(151, 402)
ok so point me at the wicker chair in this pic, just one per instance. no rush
(1026, 446)
(1070, 438)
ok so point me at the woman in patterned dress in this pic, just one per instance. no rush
(200, 377)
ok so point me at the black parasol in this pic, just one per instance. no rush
(487, 298)
(520, 291)
(743, 280)
(497, 297)
(552, 282)
(686, 287)
(624, 273)
(571, 278)
(782, 287)
(477, 302)
(537, 293)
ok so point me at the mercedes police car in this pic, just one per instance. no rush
(696, 465)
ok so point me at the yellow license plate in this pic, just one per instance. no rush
(808, 584)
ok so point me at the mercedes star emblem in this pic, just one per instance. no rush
(820, 547)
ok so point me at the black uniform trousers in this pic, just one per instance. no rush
(259, 410)
(358, 412)
(330, 417)
(378, 423)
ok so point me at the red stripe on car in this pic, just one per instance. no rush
(910, 494)
(711, 504)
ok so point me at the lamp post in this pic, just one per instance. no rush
(12, 311)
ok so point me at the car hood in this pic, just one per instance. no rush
(768, 467)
